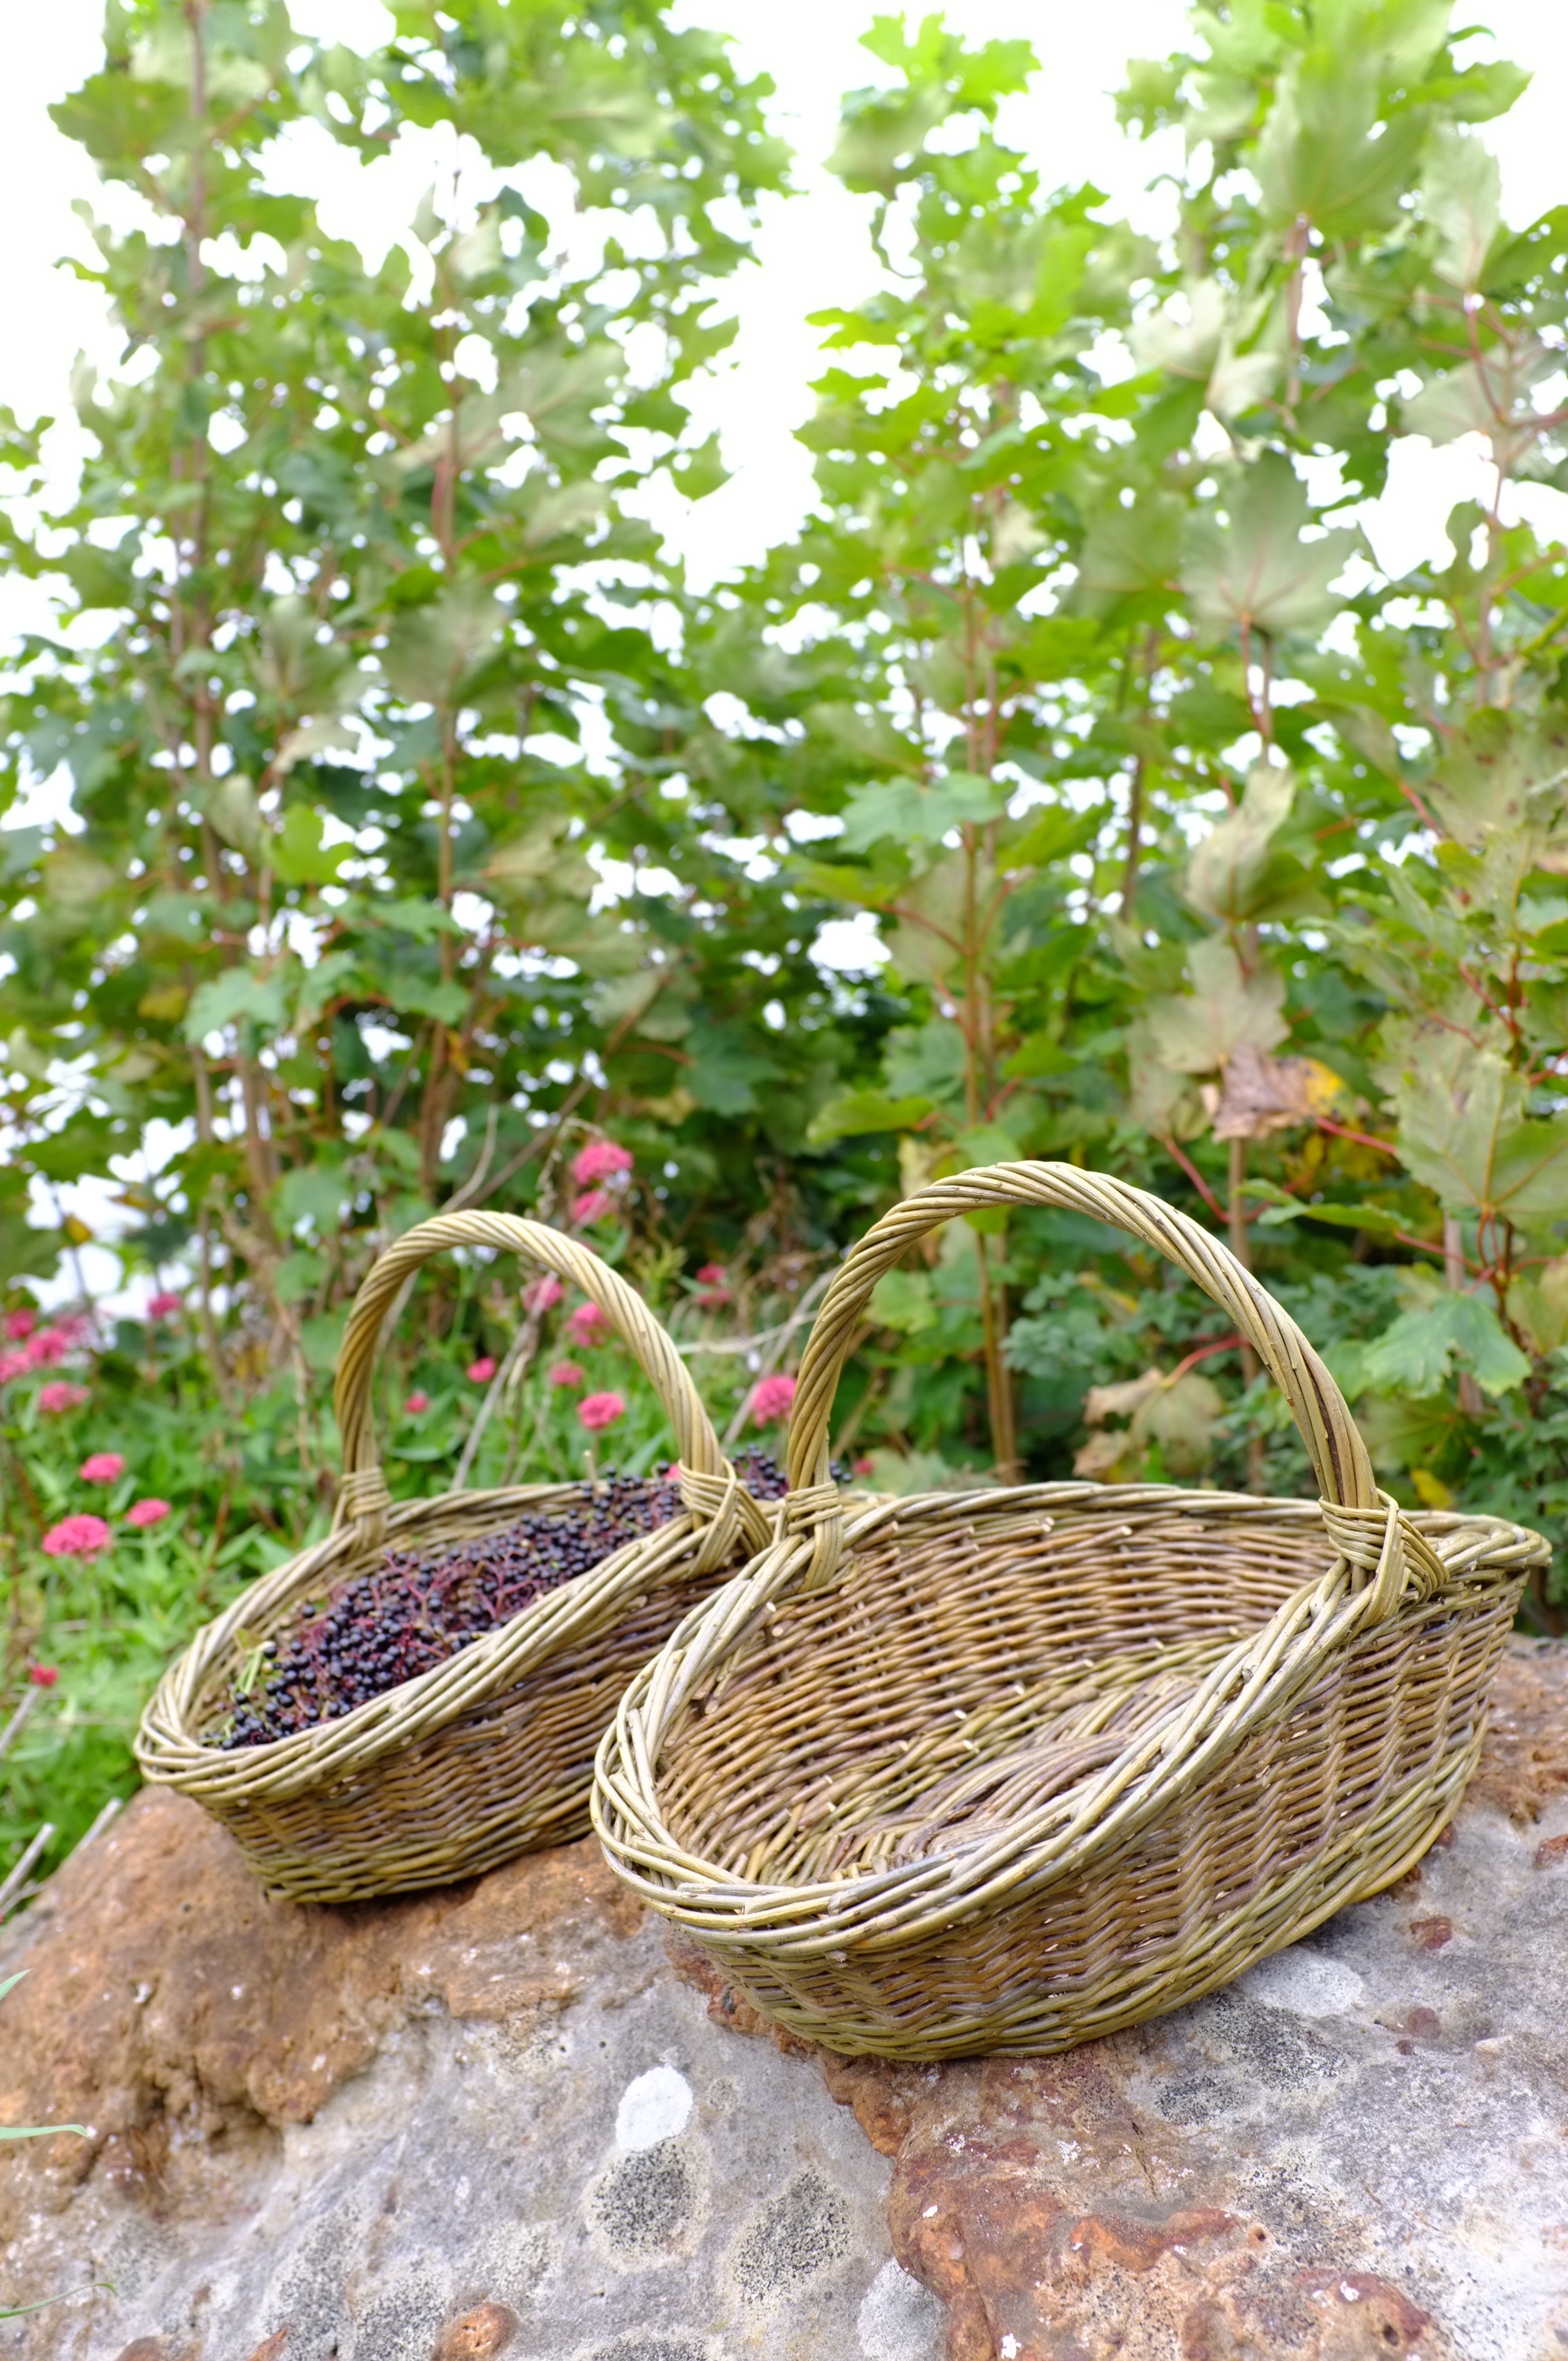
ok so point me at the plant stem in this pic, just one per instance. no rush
(1240, 1246)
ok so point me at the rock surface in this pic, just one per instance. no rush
(498, 2121)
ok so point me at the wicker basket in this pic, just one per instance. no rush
(492, 1753)
(1001, 1773)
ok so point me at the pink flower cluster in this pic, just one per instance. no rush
(601, 1160)
(773, 1398)
(87, 1536)
(596, 1411)
(543, 1295)
(481, 1371)
(41, 1349)
(566, 1373)
(102, 1467)
(713, 1283)
(60, 1394)
(588, 1326)
(164, 1307)
(78, 1537)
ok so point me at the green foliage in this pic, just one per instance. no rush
(424, 823)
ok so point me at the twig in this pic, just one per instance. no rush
(522, 1349)
(100, 1824)
(18, 1721)
(17, 1877)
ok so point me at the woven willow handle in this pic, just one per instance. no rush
(1338, 1455)
(363, 1497)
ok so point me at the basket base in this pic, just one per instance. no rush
(1039, 2018)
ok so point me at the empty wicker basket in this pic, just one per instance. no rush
(1007, 1771)
(492, 1753)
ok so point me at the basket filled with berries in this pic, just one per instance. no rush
(418, 1697)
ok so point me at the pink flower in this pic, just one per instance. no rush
(590, 1207)
(862, 1466)
(773, 1398)
(43, 1677)
(416, 1403)
(143, 1513)
(78, 1537)
(61, 1394)
(13, 1365)
(596, 1411)
(543, 1295)
(482, 1370)
(587, 1325)
(102, 1467)
(19, 1325)
(50, 1344)
(566, 1373)
(602, 1159)
(713, 1283)
(164, 1307)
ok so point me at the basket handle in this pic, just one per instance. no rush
(709, 1485)
(1364, 1523)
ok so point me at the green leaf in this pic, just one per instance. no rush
(1130, 553)
(443, 998)
(415, 915)
(1324, 156)
(1463, 1133)
(432, 649)
(1413, 1356)
(908, 813)
(1255, 571)
(1461, 197)
(316, 1193)
(855, 1111)
(1225, 870)
(725, 1069)
(902, 1300)
(238, 995)
(297, 852)
(1195, 1033)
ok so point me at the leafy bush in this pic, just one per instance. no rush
(425, 827)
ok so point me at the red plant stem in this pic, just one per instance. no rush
(1196, 1177)
(1220, 1344)
(1362, 1139)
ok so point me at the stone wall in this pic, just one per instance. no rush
(507, 2119)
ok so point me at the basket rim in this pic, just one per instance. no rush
(1256, 1680)
(168, 1751)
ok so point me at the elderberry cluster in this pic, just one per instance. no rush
(412, 1612)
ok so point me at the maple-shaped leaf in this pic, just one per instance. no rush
(1253, 570)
